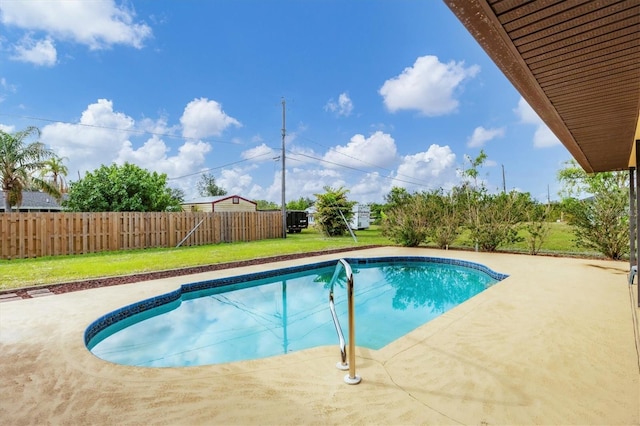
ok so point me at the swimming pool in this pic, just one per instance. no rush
(280, 311)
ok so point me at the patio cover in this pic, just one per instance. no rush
(576, 62)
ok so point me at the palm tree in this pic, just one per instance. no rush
(56, 171)
(19, 161)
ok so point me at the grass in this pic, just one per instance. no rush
(20, 273)
(559, 240)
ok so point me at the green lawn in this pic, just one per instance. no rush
(48, 270)
(559, 240)
(30, 272)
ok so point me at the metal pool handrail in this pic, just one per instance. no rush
(352, 378)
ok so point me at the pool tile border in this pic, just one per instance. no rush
(128, 311)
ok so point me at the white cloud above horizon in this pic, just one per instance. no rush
(343, 107)
(434, 168)
(7, 129)
(96, 24)
(481, 136)
(543, 136)
(429, 86)
(260, 153)
(102, 137)
(37, 52)
(379, 150)
(6, 88)
(427, 170)
(203, 118)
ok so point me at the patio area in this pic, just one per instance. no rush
(555, 343)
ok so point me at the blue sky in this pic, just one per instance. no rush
(378, 94)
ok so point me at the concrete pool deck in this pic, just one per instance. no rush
(555, 343)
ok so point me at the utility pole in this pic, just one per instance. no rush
(284, 207)
(504, 182)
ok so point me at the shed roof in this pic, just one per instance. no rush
(576, 62)
(213, 200)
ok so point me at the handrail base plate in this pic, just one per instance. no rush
(352, 380)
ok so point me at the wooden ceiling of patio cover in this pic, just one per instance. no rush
(576, 62)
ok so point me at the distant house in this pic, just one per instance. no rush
(225, 203)
(34, 201)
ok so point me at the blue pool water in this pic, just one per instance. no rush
(277, 312)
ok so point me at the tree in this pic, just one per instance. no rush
(377, 213)
(474, 170)
(207, 186)
(55, 171)
(396, 197)
(424, 216)
(601, 221)
(494, 219)
(446, 218)
(537, 226)
(122, 188)
(178, 195)
(302, 203)
(332, 210)
(266, 205)
(19, 163)
(407, 223)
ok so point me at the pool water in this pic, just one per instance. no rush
(288, 312)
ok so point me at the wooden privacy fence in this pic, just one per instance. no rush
(25, 235)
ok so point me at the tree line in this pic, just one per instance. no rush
(597, 205)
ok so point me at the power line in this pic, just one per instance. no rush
(362, 161)
(414, 181)
(357, 170)
(220, 167)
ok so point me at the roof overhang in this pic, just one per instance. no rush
(576, 62)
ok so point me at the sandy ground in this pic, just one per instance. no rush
(555, 343)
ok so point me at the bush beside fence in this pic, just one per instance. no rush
(25, 235)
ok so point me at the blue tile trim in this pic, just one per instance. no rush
(111, 318)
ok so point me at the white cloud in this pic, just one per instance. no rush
(203, 118)
(434, 168)
(97, 24)
(378, 149)
(6, 87)
(370, 188)
(306, 182)
(7, 129)
(154, 155)
(543, 136)
(260, 153)
(157, 126)
(481, 136)
(343, 107)
(429, 86)
(93, 141)
(102, 136)
(235, 181)
(298, 155)
(37, 52)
